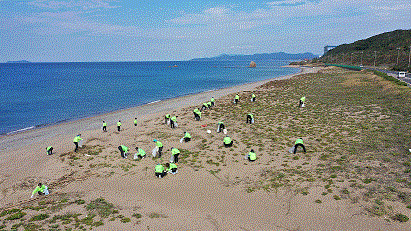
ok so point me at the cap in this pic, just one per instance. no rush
(154, 140)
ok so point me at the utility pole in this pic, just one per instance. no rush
(375, 57)
(362, 54)
(351, 58)
(398, 54)
(409, 58)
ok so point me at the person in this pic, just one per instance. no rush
(173, 121)
(250, 118)
(302, 101)
(212, 100)
(227, 142)
(209, 105)
(104, 126)
(159, 171)
(49, 150)
(41, 189)
(140, 153)
(118, 125)
(205, 106)
(299, 142)
(123, 151)
(135, 121)
(251, 156)
(253, 97)
(197, 114)
(167, 119)
(160, 147)
(236, 99)
(175, 153)
(76, 140)
(220, 126)
(171, 168)
(187, 137)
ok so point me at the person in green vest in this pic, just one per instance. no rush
(135, 121)
(209, 105)
(197, 114)
(76, 140)
(41, 189)
(123, 151)
(302, 101)
(175, 153)
(236, 99)
(173, 121)
(118, 125)
(227, 142)
(251, 156)
(159, 171)
(250, 118)
(205, 106)
(220, 126)
(171, 168)
(167, 119)
(187, 137)
(49, 150)
(212, 100)
(104, 126)
(253, 97)
(159, 146)
(299, 142)
(140, 154)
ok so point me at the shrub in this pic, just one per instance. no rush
(400, 217)
(39, 217)
(15, 216)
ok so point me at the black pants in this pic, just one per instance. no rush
(212, 103)
(40, 193)
(50, 151)
(296, 146)
(160, 150)
(203, 108)
(165, 120)
(173, 170)
(196, 116)
(172, 124)
(76, 143)
(253, 99)
(222, 126)
(104, 128)
(176, 158)
(250, 160)
(162, 174)
(186, 139)
(135, 124)
(236, 101)
(301, 103)
(248, 119)
(122, 152)
(118, 128)
(228, 145)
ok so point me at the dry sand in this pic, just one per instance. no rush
(193, 199)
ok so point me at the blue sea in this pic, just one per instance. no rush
(39, 94)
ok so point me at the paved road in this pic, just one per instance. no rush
(407, 78)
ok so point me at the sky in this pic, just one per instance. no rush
(158, 30)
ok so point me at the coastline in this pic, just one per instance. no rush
(15, 139)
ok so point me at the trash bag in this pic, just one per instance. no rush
(155, 151)
(291, 150)
(225, 131)
(303, 105)
(80, 143)
(168, 122)
(46, 191)
(136, 156)
(252, 120)
(218, 128)
(181, 140)
(175, 124)
(172, 159)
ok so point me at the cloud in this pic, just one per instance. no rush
(83, 4)
(286, 3)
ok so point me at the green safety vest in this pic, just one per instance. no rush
(172, 165)
(48, 148)
(187, 135)
(135, 121)
(37, 189)
(77, 139)
(303, 99)
(252, 155)
(118, 123)
(237, 97)
(205, 104)
(253, 96)
(141, 152)
(299, 141)
(227, 140)
(159, 168)
(125, 149)
(105, 124)
(209, 104)
(174, 118)
(251, 115)
(159, 144)
(212, 100)
(168, 116)
(220, 123)
(175, 151)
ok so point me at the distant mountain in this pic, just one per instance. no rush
(383, 48)
(19, 61)
(257, 57)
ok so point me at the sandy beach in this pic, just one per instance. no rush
(214, 189)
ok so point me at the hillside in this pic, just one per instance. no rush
(382, 48)
(256, 57)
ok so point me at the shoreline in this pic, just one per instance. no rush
(42, 133)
